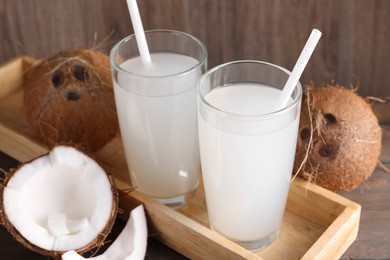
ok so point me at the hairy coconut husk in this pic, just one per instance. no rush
(95, 244)
(69, 99)
(339, 140)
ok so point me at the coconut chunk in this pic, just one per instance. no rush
(129, 245)
(59, 202)
(73, 241)
(59, 224)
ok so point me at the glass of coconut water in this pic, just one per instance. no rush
(156, 105)
(247, 149)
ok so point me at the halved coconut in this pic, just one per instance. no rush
(59, 202)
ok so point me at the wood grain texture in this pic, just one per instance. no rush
(353, 50)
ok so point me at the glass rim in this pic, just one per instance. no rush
(200, 62)
(285, 109)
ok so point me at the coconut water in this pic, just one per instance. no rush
(157, 115)
(247, 156)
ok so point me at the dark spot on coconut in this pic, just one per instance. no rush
(305, 133)
(80, 73)
(330, 119)
(326, 150)
(72, 96)
(57, 78)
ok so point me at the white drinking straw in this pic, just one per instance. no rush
(139, 31)
(298, 69)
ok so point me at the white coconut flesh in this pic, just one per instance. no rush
(129, 245)
(59, 202)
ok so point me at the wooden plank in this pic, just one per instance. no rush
(11, 74)
(297, 235)
(352, 51)
(319, 205)
(341, 232)
(20, 147)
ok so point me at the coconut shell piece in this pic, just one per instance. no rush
(69, 99)
(339, 141)
(130, 244)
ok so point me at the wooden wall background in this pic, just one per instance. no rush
(353, 51)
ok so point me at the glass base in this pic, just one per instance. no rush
(257, 245)
(179, 201)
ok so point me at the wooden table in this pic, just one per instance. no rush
(373, 241)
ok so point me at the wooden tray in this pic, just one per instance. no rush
(318, 224)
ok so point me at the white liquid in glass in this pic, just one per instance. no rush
(158, 123)
(246, 176)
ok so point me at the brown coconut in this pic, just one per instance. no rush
(17, 234)
(69, 99)
(339, 141)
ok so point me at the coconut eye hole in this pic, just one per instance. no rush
(80, 73)
(72, 96)
(330, 119)
(305, 133)
(58, 79)
(326, 150)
